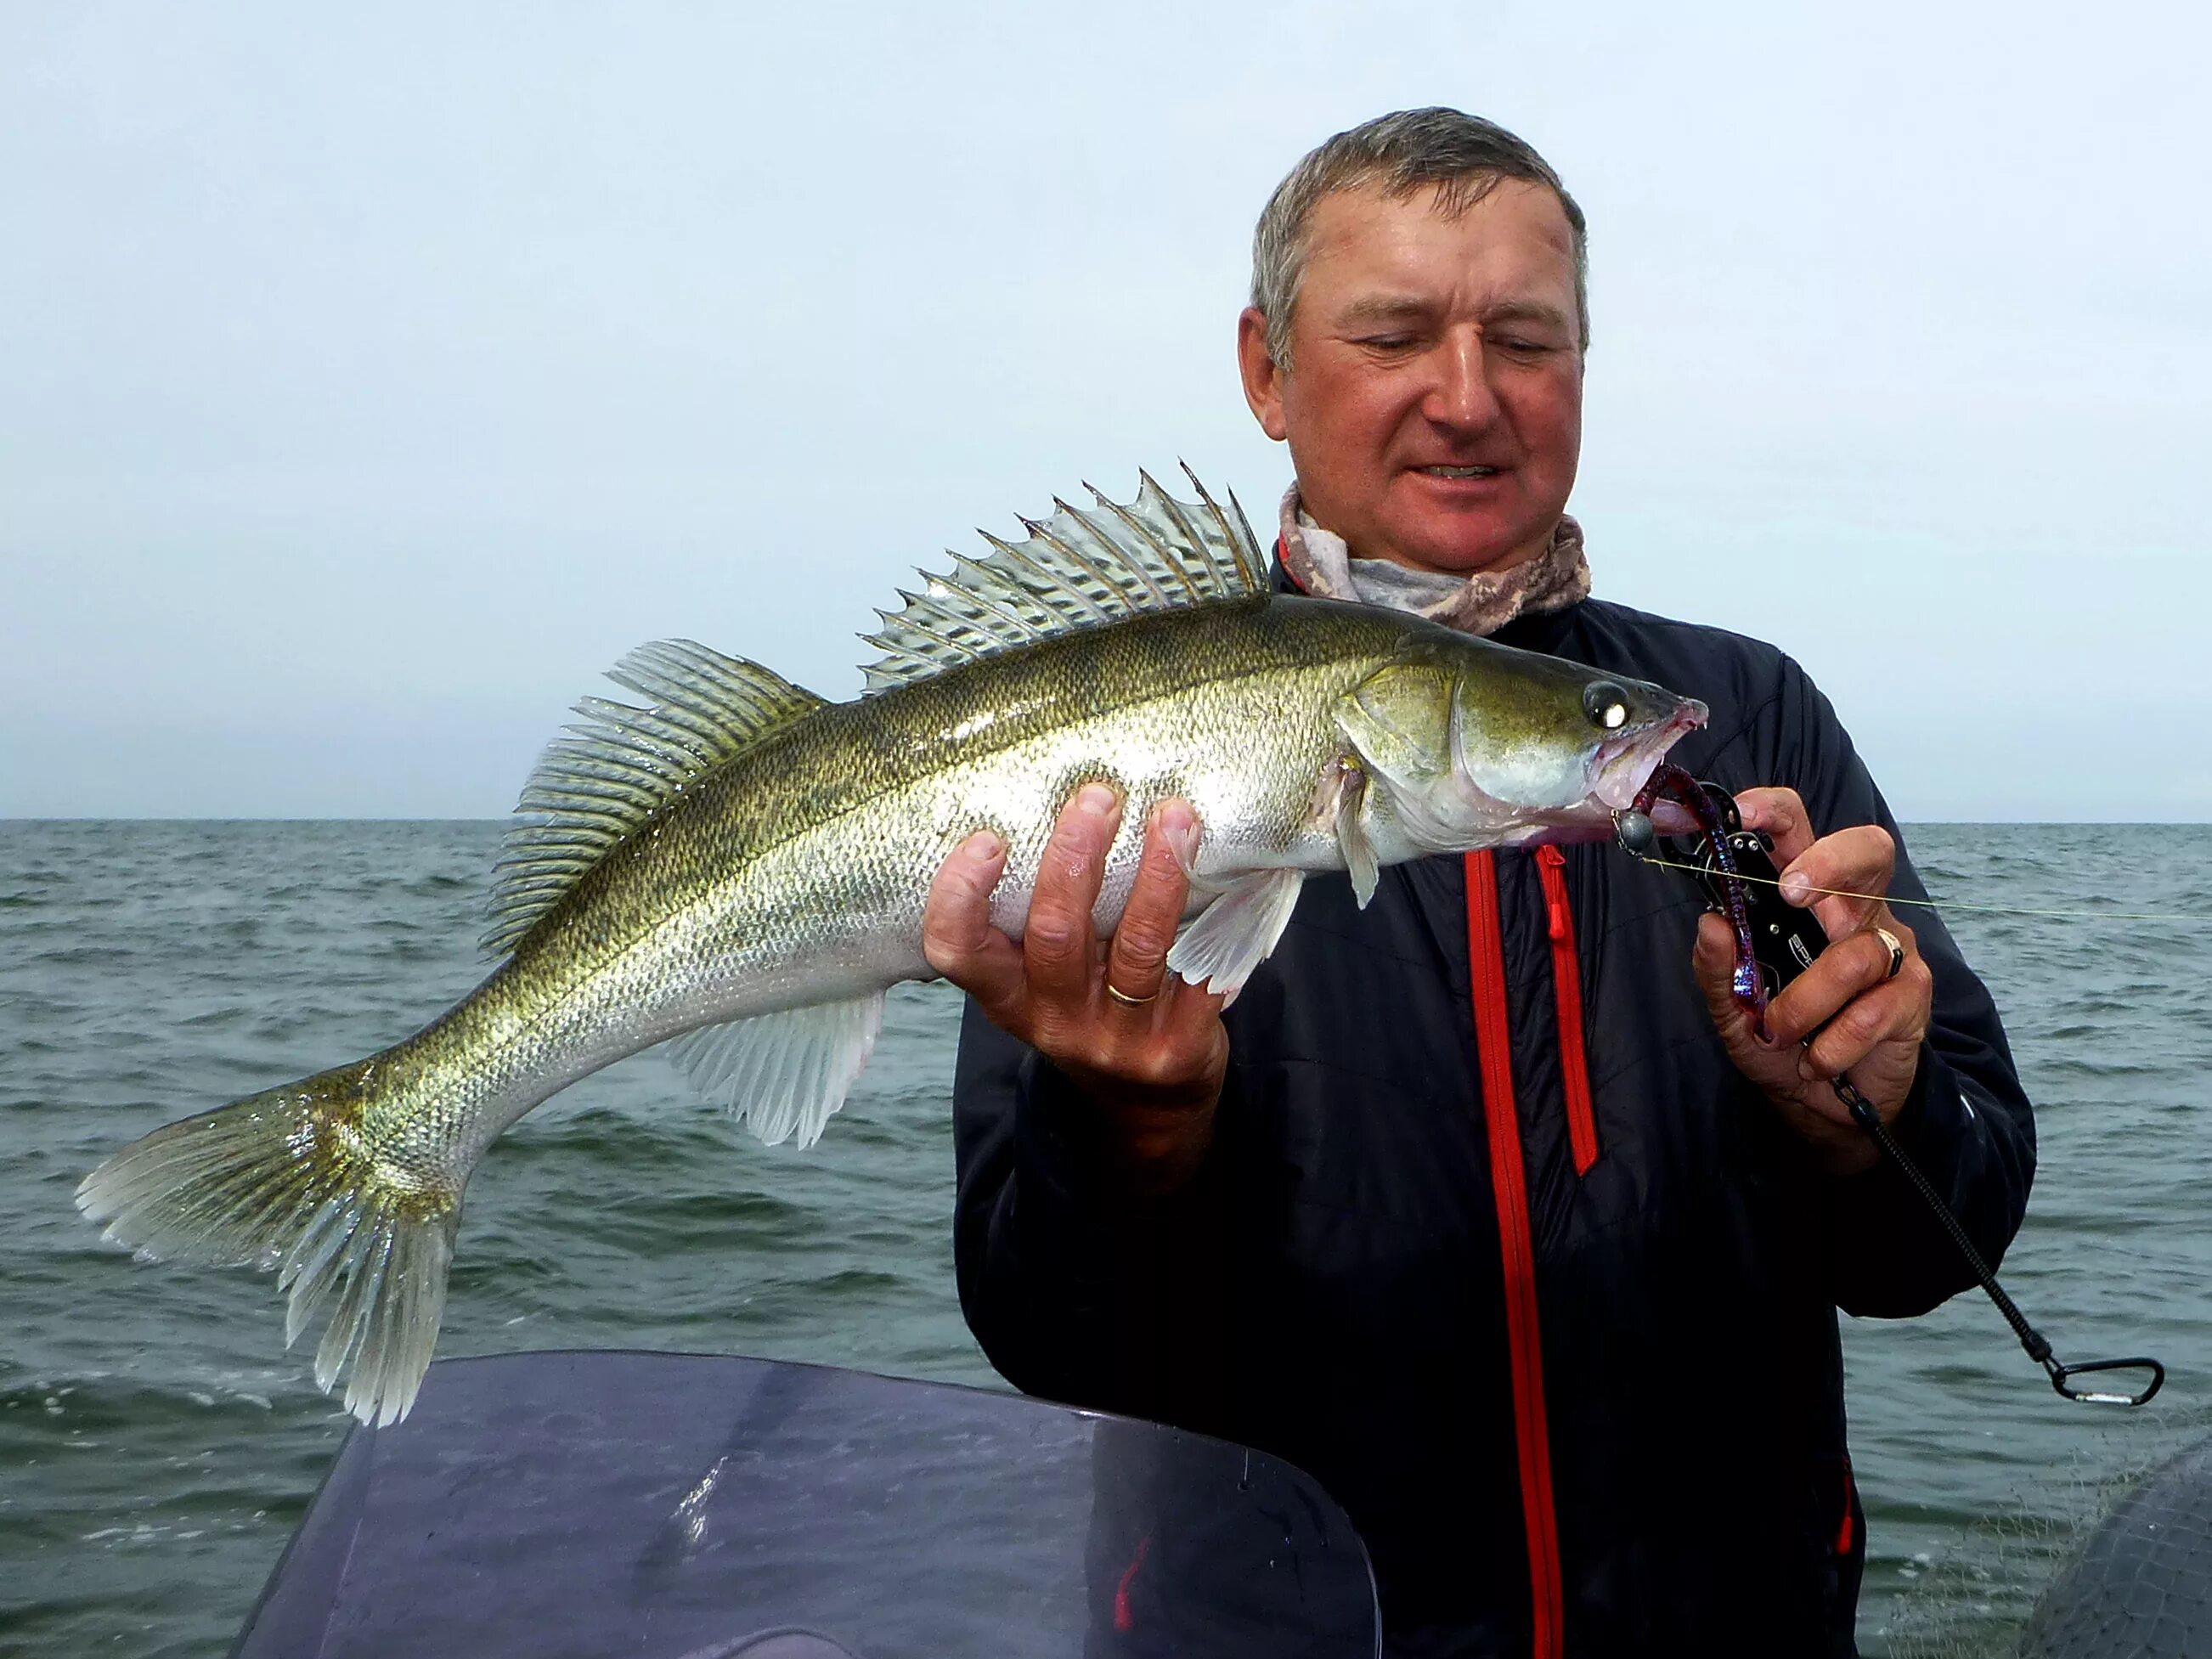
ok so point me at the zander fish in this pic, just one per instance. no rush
(740, 866)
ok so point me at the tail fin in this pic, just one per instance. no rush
(282, 1180)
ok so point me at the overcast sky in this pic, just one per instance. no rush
(370, 378)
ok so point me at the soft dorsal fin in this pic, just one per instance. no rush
(1078, 568)
(595, 787)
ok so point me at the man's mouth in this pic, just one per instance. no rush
(1459, 472)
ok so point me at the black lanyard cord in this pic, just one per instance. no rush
(2037, 1345)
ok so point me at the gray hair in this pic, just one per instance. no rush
(1461, 156)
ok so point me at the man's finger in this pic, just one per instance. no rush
(1888, 1014)
(1136, 962)
(1780, 814)
(1860, 859)
(1848, 969)
(957, 938)
(1713, 961)
(1057, 941)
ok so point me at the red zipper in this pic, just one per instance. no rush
(1567, 990)
(1125, 1616)
(1844, 1530)
(1486, 955)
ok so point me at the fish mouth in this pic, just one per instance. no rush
(1617, 770)
(1623, 764)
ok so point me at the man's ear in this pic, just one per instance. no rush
(1263, 387)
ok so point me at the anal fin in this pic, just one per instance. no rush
(1234, 935)
(784, 1073)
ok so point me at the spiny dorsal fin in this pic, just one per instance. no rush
(1079, 568)
(595, 787)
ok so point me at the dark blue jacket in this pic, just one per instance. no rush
(1554, 1317)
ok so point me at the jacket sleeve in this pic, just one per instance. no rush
(1077, 1288)
(1966, 1122)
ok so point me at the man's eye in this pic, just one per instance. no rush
(1389, 342)
(1523, 347)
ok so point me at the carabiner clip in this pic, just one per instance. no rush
(2061, 1374)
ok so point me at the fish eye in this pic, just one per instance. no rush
(1606, 704)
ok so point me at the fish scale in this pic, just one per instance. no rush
(738, 869)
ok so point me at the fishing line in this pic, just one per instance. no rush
(1953, 904)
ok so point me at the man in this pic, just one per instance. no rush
(1485, 1205)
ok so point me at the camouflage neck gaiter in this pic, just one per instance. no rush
(1481, 604)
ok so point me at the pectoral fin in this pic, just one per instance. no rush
(1350, 825)
(1234, 935)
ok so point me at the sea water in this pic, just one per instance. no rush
(157, 1444)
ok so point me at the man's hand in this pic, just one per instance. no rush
(1153, 1058)
(1870, 1023)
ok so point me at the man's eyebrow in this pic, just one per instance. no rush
(1384, 308)
(1403, 308)
(1526, 311)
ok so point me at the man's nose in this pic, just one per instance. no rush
(1462, 396)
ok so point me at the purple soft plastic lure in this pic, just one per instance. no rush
(1746, 983)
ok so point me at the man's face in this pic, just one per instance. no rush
(1434, 406)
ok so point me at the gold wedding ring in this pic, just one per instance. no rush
(1128, 1001)
(1896, 953)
